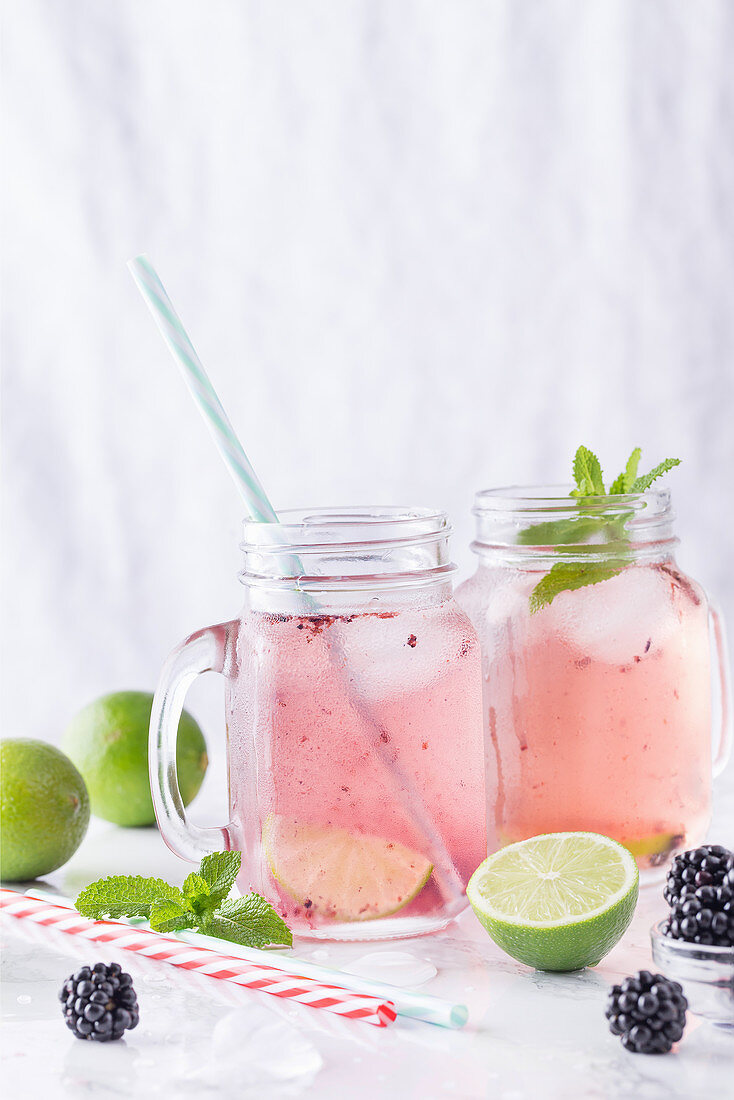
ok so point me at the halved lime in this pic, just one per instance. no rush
(556, 902)
(342, 875)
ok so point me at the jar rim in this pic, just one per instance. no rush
(352, 547)
(557, 497)
(545, 523)
(345, 526)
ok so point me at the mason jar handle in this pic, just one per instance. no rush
(205, 651)
(722, 658)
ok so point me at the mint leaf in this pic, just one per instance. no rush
(194, 887)
(630, 473)
(251, 921)
(123, 896)
(219, 871)
(198, 895)
(587, 474)
(642, 483)
(567, 576)
(625, 481)
(171, 915)
(562, 532)
(209, 886)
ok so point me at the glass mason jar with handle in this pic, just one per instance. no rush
(597, 664)
(354, 725)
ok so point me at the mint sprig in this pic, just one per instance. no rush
(593, 522)
(202, 904)
(170, 915)
(587, 473)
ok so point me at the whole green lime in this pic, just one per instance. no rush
(44, 809)
(108, 742)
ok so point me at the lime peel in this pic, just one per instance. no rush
(44, 809)
(108, 742)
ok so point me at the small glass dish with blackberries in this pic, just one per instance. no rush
(694, 945)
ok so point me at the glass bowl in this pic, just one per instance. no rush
(706, 974)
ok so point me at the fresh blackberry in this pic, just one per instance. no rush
(99, 1002)
(708, 865)
(700, 892)
(648, 1011)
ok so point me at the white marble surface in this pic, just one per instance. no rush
(530, 1035)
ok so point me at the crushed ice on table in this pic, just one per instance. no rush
(394, 967)
(254, 1044)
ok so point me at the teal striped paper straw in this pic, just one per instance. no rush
(204, 394)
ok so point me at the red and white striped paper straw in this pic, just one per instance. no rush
(153, 945)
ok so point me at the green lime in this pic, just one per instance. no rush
(44, 809)
(344, 876)
(556, 902)
(108, 742)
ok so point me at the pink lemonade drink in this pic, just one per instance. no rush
(324, 783)
(353, 695)
(597, 706)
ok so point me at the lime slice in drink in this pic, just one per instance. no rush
(556, 902)
(654, 848)
(342, 875)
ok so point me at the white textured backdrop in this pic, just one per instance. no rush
(423, 248)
